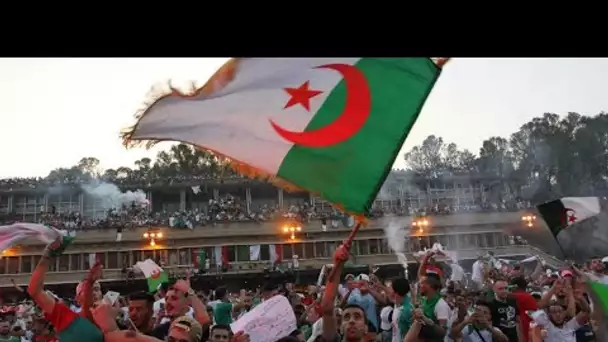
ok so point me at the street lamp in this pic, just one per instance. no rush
(528, 220)
(292, 229)
(421, 224)
(153, 235)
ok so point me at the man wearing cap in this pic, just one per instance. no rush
(69, 326)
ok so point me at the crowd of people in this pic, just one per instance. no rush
(501, 301)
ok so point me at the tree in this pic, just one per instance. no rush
(433, 158)
(495, 158)
(547, 158)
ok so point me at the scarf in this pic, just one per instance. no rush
(428, 306)
(405, 317)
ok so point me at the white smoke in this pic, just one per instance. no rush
(110, 196)
(396, 233)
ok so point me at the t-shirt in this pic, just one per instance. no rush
(222, 313)
(457, 272)
(585, 334)
(555, 334)
(470, 334)
(71, 327)
(525, 302)
(504, 317)
(395, 324)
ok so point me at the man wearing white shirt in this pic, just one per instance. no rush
(477, 275)
(457, 272)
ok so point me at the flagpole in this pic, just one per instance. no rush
(349, 240)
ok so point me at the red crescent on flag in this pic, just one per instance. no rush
(356, 111)
(155, 274)
(570, 216)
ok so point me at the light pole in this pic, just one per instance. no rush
(153, 236)
(528, 220)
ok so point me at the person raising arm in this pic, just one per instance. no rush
(69, 325)
(330, 327)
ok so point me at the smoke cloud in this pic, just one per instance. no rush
(396, 233)
(110, 196)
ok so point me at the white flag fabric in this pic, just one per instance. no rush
(275, 255)
(254, 252)
(530, 259)
(92, 259)
(581, 208)
(217, 251)
(15, 233)
(148, 267)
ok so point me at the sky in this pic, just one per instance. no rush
(55, 111)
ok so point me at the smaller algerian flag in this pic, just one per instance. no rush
(562, 213)
(153, 273)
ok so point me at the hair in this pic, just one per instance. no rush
(434, 281)
(220, 292)
(482, 302)
(401, 286)
(519, 282)
(141, 295)
(295, 333)
(164, 286)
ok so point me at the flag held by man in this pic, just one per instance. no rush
(331, 126)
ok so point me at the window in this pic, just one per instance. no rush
(298, 249)
(112, 261)
(13, 265)
(320, 251)
(173, 257)
(75, 262)
(265, 252)
(242, 253)
(309, 250)
(363, 247)
(53, 265)
(231, 254)
(287, 251)
(64, 263)
(490, 237)
(26, 264)
(373, 246)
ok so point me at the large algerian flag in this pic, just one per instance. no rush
(15, 233)
(331, 126)
(153, 273)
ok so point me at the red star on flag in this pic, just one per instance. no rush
(301, 95)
